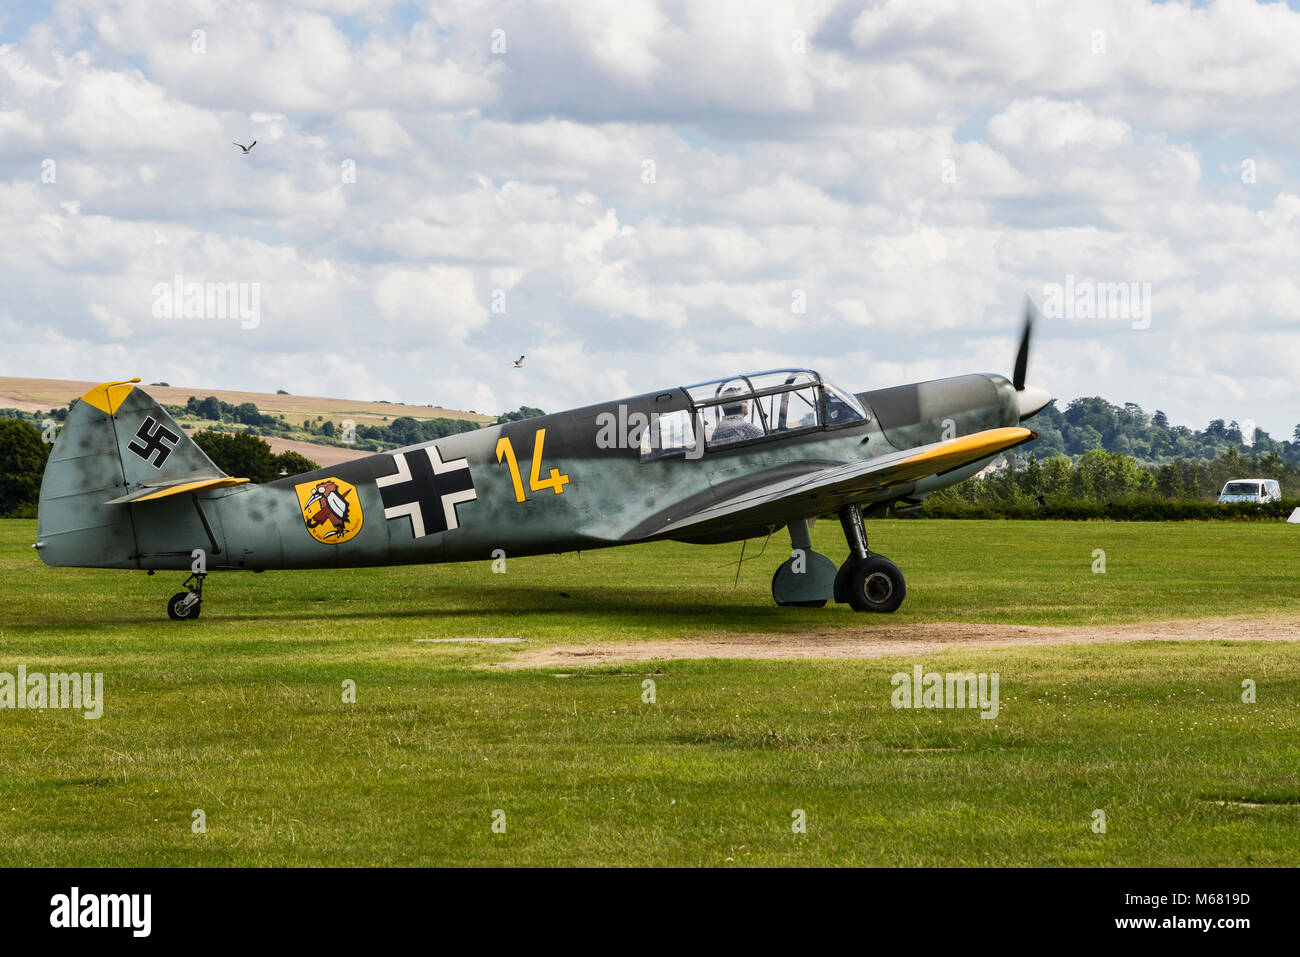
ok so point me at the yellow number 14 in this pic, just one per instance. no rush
(556, 482)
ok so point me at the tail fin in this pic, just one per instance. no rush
(118, 447)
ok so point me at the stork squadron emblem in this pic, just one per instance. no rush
(330, 509)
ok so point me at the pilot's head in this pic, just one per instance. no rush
(734, 408)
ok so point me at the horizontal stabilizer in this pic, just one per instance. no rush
(149, 493)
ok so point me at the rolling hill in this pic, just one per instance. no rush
(34, 395)
(40, 395)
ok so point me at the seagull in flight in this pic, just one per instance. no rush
(519, 363)
(245, 148)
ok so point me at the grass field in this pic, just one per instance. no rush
(241, 713)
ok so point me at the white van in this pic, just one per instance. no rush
(1257, 491)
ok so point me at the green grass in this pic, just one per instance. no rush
(240, 713)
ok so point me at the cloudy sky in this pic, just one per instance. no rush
(641, 194)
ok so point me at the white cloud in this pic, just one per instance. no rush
(436, 303)
(915, 169)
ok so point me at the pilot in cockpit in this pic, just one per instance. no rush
(734, 426)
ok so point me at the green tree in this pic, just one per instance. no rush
(406, 430)
(292, 463)
(1056, 476)
(24, 456)
(209, 408)
(242, 455)
(1086, 438)
(523, 412)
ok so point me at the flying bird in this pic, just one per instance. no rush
(519, 363)
(245, 148)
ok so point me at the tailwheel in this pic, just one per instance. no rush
(185, 605)
(873, 584)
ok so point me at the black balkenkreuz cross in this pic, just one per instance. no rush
(152, 439)
(426, 490)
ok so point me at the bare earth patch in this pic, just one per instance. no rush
(879, 641)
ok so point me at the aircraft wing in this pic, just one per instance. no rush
(825, 490)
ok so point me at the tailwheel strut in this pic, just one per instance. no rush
(185, 605)
(866, 581)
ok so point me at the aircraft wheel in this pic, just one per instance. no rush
(840, 576)
(874, 584)
(180, 608)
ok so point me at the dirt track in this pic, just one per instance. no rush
(878, 641)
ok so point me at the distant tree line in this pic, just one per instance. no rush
(212, 409)
(1059, 487)
(523, 412)
(24, 453)
(239, 452)
(1092, 423)
(406, 430)
(247, 456)
(246, 417)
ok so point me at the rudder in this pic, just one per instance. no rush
(118, 446)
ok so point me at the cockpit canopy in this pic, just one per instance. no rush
(759, 405)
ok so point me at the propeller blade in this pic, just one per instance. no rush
(1022, 356)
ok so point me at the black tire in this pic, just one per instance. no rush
(874, 584)
(820, 603)
(840, 576)
(174, 611)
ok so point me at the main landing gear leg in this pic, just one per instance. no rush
(185, 605)
(867, 581)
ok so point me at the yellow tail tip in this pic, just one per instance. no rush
(108, 396)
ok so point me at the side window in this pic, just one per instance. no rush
(732, 420)
(789, 411)
(668, 433)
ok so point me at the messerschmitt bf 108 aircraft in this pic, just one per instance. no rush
(721, 461)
